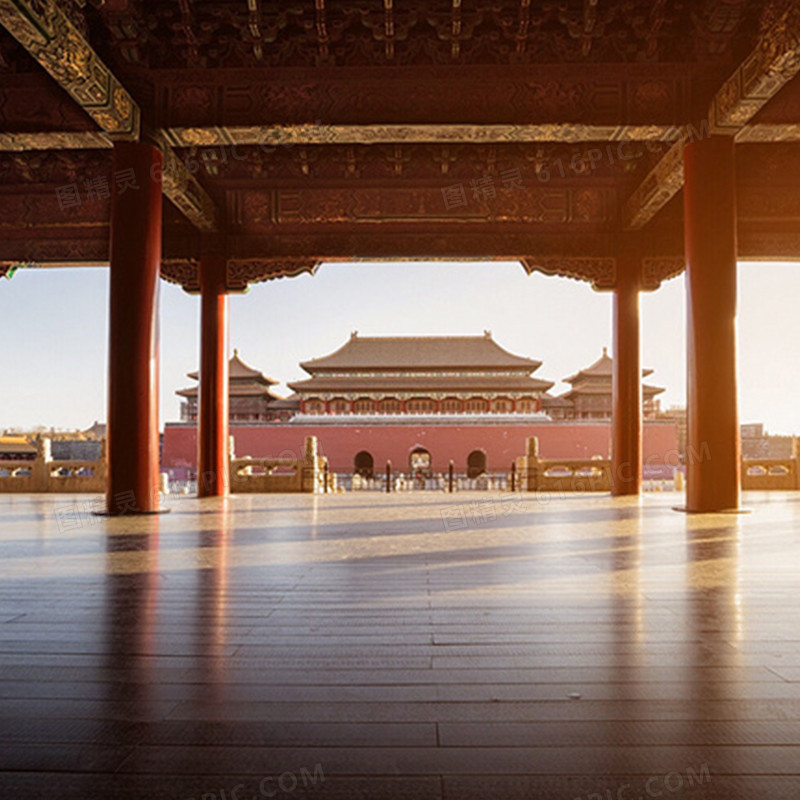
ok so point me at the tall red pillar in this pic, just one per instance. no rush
(213, 436)
(626, 446)
(713, 447)
(135, 256)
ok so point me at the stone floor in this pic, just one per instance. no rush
(400, 646)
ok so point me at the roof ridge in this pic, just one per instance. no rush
(425, 336)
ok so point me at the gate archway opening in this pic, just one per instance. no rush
(364, 464)
(420, 464)
(476, 464)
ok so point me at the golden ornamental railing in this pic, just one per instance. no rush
(46, 474)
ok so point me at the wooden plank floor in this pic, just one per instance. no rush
(403, 646)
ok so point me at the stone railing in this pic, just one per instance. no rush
(536, 474)
(289, 475)
(770, 474)
(44, 474)
(594, 475)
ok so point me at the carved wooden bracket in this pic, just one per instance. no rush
(600, 272)
(243, 272)
(657, 270)
(184, 272)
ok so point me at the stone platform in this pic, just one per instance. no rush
(400, 646)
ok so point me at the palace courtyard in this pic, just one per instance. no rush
(420, 645)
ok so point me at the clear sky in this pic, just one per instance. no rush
(54, 328)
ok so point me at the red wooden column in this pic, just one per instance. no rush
(626, 446)
(213, 436)
(135, 256)
(713, 446)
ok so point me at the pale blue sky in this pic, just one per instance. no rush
(55, 325)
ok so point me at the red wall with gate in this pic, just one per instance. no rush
(501, 443)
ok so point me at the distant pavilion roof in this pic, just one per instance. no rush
(243, 380)
(596, 379)
(96, 431)
(555, 401)
(420, 353)
(602, 368)
(290, 403)
(16, 444)
(238, 370)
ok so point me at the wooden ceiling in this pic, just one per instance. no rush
(307, 130)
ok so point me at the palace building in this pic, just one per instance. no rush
(420, 375)
(249, 391)
(400, 376)
(417, 400)
(591, 394)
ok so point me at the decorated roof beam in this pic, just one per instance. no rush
(46, 32)
(290, 135)
(318, 133)
(186, 193)
(660, 185)
(622, 101)
(771, 65)
(54, 140)
(51, 38)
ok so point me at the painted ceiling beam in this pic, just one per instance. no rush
(771, 65)
(46, 32)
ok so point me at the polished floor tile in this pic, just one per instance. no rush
(403, 646)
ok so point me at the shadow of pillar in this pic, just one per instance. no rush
(714, 676)
(129, 636)
(626, 621)
(210, 626)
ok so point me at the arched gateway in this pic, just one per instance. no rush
(476, 463)
(364, 464)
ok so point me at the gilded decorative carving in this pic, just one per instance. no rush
(770, 66)
(541, 204)
(183, 272)
(48, 34)
(243, 272)
(326, 34)
(769, 133)
(312, 134)
(308, 104)
(347, 147)
(656, 190)
(507, 165)
(600, 272)
(75, 140)
(183, 189)
(657, 270)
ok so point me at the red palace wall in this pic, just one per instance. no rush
(502, 443)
